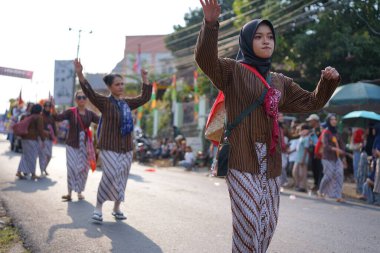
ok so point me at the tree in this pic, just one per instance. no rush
(351, 46)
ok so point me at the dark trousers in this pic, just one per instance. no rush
(317, 168)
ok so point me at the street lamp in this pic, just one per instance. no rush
(79, 32)
(78, 46)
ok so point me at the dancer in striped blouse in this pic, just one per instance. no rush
(115, 139)
(255, 150)
(31, 144)
(45, 153)
(77, 164)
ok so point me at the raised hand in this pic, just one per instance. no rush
(144, 76)
(78, 66)
(330, 73)
(211, 10)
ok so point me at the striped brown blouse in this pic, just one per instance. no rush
(328, 143)
(36, 128)
(49, 120)
(241, 88)
(74, 126)
(110, 137)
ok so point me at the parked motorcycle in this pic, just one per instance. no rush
(144, 151)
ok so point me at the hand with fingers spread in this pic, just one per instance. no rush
(330, 73)
(144, 76)
(211, 10)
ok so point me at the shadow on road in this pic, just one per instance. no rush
(136, 178)
(10, 154)
(124, 238)
(27, 185)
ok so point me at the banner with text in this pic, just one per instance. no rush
(16, 73)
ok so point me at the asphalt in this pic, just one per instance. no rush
(171, 210)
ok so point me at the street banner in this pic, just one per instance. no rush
(16, 73)
(64, 80)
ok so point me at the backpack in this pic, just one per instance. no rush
(21, 127)
(318, 149)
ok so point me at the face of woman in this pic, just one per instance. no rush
(80, 99)
(263, 42)
(117, 87)
(333, 121)
(47, 107)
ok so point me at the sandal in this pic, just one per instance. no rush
(119, 215)
(97, 217)
(18, 174)
(34, 177)
(66, 197)
(80, 197)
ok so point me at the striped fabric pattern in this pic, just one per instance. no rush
(241, 88)
(115, 167)
(376, 187)
(49, 121)
(110, 137)
(45, 154)
(35, 129)
(77, 168)
(75, 127)
(255, 203)
(29, 156)
(332, 181)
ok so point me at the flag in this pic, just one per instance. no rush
(19, 99)
(174, 89)
(196, 96)
(153, 105)
(139, 115)
(137, 64)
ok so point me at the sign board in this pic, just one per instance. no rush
(16, 73)
(64, 81)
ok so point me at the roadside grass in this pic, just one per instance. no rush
(9, 238)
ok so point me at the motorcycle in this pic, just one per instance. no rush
(144, 151)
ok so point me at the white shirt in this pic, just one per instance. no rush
(189, 157)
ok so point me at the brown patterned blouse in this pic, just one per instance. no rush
(74, 126)
(110, 137)
(241, 88)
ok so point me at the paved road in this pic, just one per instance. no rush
(170, 210)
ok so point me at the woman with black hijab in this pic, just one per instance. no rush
(255, 150)
(333, 151)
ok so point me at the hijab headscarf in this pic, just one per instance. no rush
(328, 123)
(246, 53)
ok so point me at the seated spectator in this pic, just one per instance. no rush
(368, 193)
(157, 147)
(189, 160)
(178, 152)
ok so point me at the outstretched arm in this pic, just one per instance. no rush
(219, 70)
(95, 98)
(298, 100)
(146, 92)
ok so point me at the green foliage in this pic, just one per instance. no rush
(349, 47)
(310, 35)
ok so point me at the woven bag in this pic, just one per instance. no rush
(215, 121)
(215, 128)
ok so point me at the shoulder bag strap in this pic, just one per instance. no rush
(247, 111)
(75, 110)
